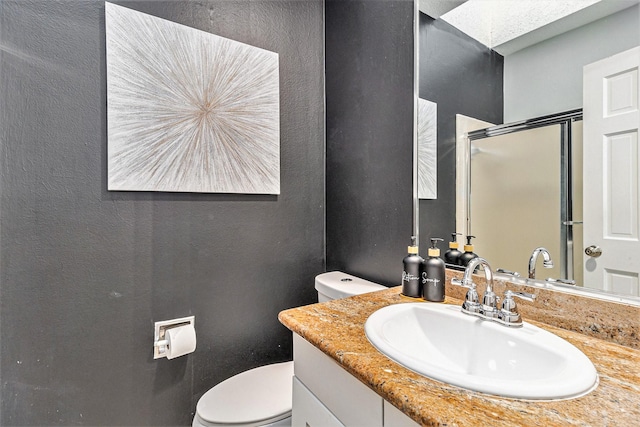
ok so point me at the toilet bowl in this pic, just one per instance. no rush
(257, 397)
(262, 396)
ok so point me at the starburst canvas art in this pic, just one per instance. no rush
(427, 149)
(188, 111)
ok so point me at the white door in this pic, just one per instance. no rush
(611, 179)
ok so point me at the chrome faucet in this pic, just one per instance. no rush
(471, 305)
(507, 315)
(547, 263)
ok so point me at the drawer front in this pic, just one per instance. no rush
(353, 403)
(308, 411)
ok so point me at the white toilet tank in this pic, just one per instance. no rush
(336, 285)
(234, 402)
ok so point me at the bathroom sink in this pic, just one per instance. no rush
(442, 343)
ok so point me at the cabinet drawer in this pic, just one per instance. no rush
(308, 411)
(353, 403)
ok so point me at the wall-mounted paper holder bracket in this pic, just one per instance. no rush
(159, 341)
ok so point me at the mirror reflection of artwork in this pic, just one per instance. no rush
(427, 149)
(187, 110)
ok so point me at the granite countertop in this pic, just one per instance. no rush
(337, 329)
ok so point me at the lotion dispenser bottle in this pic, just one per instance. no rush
(411, 284)
(433, 274)
(468, 254)
(452, 256)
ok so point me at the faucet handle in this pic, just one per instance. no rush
(511, 273)
(509, 315)
(463, 283)
(521, 295)
(471, 302)
(562, 281)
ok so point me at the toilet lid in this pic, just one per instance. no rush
(260, 394)
(336, 285)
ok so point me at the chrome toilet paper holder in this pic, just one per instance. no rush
(160, 329)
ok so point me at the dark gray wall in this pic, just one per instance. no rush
(462, 76)
(369, 72)
(85, 272)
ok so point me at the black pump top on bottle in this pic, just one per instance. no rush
(468, 254)
(452, 256)
(433, 250)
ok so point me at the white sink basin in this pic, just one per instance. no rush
(440, 342)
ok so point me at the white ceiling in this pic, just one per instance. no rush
(507, 26)
(436, 8)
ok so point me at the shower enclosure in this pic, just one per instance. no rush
(525, 191)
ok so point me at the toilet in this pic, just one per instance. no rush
(262, 396)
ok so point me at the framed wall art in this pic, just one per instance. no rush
(188, 111)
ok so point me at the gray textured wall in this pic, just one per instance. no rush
(85, 272)
(462, 76)
(369, 62)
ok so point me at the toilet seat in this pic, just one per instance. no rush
(252, 398)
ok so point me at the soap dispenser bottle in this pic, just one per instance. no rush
(433, 274)
(411, 285)
(468, 254)
(452, 256)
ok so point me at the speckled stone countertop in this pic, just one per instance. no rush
(337, 329)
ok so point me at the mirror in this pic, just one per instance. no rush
(530, 171)
(534, 74)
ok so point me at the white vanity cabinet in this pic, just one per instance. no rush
(324, 394)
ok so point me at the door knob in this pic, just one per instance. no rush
(593, 251)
